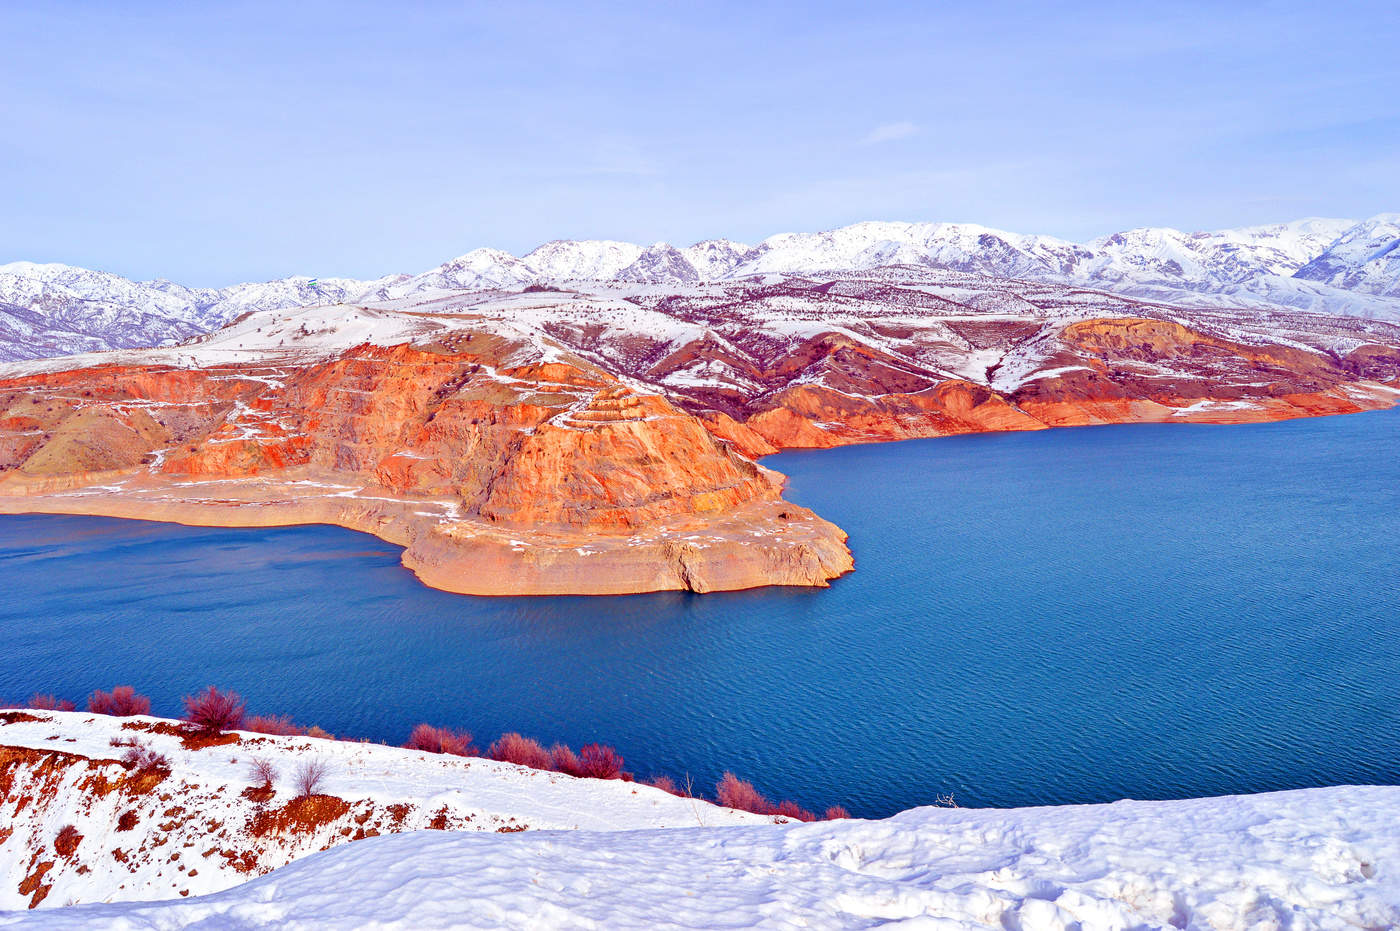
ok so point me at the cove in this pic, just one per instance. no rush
(1073, 615)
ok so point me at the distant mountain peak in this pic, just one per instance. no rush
(1313, 263)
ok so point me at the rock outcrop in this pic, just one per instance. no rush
(604, 440)
(539, 478)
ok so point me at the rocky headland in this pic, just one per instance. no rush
(601, 438)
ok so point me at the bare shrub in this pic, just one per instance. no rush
(262, 771)
(794, 811)
(441, 740)
(522, 751)
(563, 760)
(836, 813)
(67, 840)
(310, 774)
(50, 703)
(599, 761)
(121, 702)
(665, 784)
(214, 711)
(139, 756)
(733, 792)
(277, 725)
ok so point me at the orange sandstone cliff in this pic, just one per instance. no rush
(496, 478)
(602, 440)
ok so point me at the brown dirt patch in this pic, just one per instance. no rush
(33, 884)
(191, 737)
(259, 794)
(300, 815)
(17, 717)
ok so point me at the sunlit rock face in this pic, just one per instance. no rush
(602, 438)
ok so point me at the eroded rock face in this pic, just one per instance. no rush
(603, 440)
(498, 478)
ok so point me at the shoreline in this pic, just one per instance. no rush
(758, 544)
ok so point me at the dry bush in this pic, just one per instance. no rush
(733, 792)
(564, 760)
(599, 761)
(441, 740)
(836, 813)
(214, 711)
(49, 703)
(121, 702)
(262, 771)
(793, 810)
(522, 751)
(309, 777)
(665, 784)
(279, 725)
(67, 840)
(140, 757)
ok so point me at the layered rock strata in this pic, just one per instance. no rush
(603, 440)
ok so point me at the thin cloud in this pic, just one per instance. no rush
(890, 132)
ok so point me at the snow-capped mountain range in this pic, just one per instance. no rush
(1322, 265)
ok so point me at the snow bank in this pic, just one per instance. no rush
(1318, 858)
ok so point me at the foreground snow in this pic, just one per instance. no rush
(1317, 858)
(204, 827)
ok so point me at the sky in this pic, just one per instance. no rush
(217, 143)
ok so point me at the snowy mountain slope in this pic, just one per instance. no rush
(1365, 258)
(596, 259)
(1310, 859)
(1321, 265)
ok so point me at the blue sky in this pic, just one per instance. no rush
(214, 143)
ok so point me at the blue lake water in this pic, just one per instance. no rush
(1066, 616)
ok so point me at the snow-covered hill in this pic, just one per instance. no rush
(1365, 258)
(399, 838)
(1321, 265)
(204, 821)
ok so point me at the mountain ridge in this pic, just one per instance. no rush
(1313, 264)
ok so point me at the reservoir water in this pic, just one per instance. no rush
(1065, 616)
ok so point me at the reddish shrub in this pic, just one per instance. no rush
(214, 711)
(836, 813)
(140, 757)
(794, 811)
(665, 784)
(309, 777)
(67, 840)
(441, 740)
(513, 748)
(276, 725)
(121, 702)
(49, 703)
(599, 761)
(733, 792)
(564, 760)
(316, 731)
